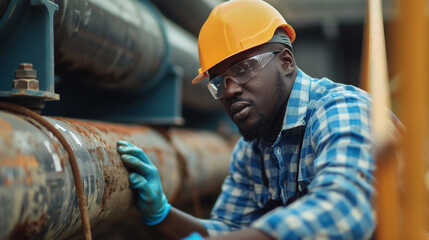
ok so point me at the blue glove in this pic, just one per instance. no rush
(193, 236)
(151, 200)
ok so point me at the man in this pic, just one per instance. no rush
(304, 167)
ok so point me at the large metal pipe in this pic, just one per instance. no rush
(190, 14)
(122, 46)
(119, 45)
(36, 186)
(183, 52)
(3, 6)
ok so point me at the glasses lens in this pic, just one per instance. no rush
(241, 73)
(216, 87)
(245, 70)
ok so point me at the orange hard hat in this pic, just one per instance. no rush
(233, 27)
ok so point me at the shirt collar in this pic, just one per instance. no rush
(296, 107)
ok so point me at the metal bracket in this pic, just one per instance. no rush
(159, 105)
(26, 36)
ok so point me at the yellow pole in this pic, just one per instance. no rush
(413, 110)
(387, 199)
(374, 78)
(377, 73)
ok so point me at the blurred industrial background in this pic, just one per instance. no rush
(108, 70)
(97, 46)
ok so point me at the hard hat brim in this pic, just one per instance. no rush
(200, 77)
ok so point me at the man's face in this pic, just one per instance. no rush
(258, 106)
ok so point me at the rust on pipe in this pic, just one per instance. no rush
(36, 186)
(205, 155)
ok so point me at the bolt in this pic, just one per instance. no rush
(25, 77)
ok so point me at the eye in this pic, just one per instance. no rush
(243, 67)
(218, 84)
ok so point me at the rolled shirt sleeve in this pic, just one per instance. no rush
(235, 207)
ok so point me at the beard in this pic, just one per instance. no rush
(263, 128)
(255, 132)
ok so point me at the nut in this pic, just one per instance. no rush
(26, 84)
(26, 71)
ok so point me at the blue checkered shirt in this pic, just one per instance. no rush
(323, 150)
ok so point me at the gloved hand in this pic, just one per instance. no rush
(144, 177)
(193, 236)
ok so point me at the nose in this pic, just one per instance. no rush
(232, 88)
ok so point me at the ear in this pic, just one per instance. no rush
(288, 61)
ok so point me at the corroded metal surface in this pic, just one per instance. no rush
(206, 156)
(36, 186)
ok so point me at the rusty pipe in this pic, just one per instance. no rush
(36, 186)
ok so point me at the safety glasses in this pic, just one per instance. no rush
(240, 73)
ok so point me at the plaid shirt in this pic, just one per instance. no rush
(325, 148)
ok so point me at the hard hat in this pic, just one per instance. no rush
(233, 27)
